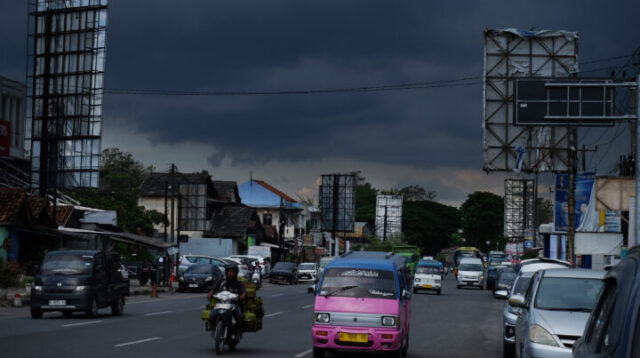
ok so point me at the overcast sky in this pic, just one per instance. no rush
(430, 137)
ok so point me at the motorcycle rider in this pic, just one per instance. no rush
(233, 285)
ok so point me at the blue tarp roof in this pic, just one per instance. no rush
(257, 193)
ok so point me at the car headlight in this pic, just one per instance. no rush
(417, 280)
(323, 317)
(181, 279)
(482, 277)
(209, 278)
(539, 335)
(37, 288)
(81, 288)
(389, 321)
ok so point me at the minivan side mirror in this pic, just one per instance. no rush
(406, 294)
(517, 301)
(503, 294)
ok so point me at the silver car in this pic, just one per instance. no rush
(307, 271)
(554, 311)
(510, 314)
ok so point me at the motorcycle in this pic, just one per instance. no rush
(256, 277)
(222, 322)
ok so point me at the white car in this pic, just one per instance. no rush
(307, 271)
(265, 266)
(188, 260)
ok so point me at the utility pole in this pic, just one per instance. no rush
(281, 228)
(173, 194)
(573, 146)
(166, 216)
(334, 228)
(637, 160)
(384, 233)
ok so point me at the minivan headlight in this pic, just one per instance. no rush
(389, 321)
(37, 288)
(539, 335)
(323, 317)
(209, 278)
(81, 288)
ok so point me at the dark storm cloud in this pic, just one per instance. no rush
(283, 45)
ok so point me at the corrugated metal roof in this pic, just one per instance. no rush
(258, 193)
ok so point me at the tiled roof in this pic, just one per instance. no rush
(232, 221)
(37, 204)
(11, 202)
(63, 213)
(226, 191)
(275, 191)
(154, 184)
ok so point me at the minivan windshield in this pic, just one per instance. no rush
(67, 265)
(470, 267)
(568, 294)
(355, 282)
(306, 267)
(428, 270)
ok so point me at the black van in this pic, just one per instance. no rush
(79, 280)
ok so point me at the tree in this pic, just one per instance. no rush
(366, 203)
(482, 219)
(120, 179)
(416, 193)
(429, 225)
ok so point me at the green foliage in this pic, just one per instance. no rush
(376, 244)
(529, 254)
(429, 225)
(366, 203)
(120, 179)
(10, 273)
(544, 211)
(482, 219)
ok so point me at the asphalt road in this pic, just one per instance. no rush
(459, 323)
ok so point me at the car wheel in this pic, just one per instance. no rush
(458, 286)
(117, 308)
(93, 310)
(67, 314)
(318, 352)
(405, 349)
(36, 313)
(508, 350)
(415, 290)
(439, 292)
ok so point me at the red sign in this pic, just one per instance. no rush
(5, 138)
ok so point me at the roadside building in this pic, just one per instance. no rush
(273, 207)
(238, 223)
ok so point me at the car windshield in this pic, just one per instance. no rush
(507, 276)
(199, 269)
(67, 265)
(470, 267)
(307, 267)
(521, 285)
(568, 294)
(428, 270)
(284, 266)
(355, 282)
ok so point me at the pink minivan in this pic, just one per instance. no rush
(362, 303)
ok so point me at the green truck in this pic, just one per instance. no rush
(410, 253)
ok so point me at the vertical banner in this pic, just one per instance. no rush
(587, 218)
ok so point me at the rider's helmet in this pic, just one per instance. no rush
(231, 267)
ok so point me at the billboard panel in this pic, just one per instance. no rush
(388, 216)
(338, 202)
(511, 54)
(519, 207)
(67, 54)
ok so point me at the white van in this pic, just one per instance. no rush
(471, 272)
(427, 277)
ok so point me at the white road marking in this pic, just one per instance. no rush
(137, 342)
(302, 354)
(277, 295)
(274, 314)
(157, 313)
(81, 323)
(307, 306)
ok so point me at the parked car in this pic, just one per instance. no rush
(307, 271)
(510, 314)
(284, 272)
(187, 260)
(555, 310)
(79, 280)
(504, 282)
(613, 330)
(492, 275)
(470, 272)
(265, 265)
(243, 268)
(200, 277)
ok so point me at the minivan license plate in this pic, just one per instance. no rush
(354, 337)
(57, 302)
(193, 285)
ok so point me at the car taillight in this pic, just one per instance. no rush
(179, 262)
